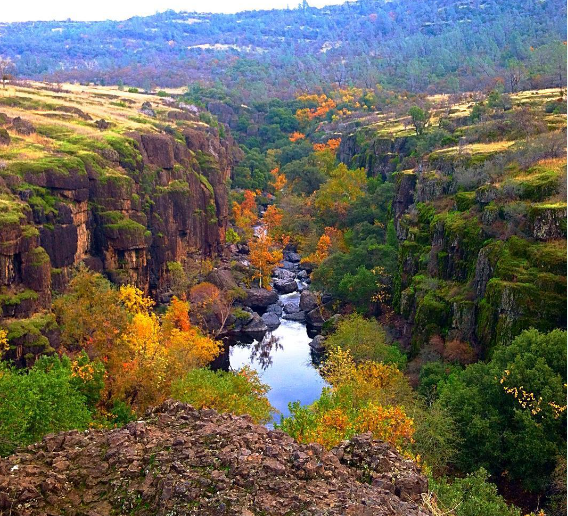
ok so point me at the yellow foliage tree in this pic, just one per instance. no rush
(150, 352)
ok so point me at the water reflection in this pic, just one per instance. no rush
(284, 361)
(262, 352)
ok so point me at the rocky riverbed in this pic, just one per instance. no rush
(277, 335)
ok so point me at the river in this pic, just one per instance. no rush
(283, 360)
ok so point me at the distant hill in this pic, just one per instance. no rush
(434, 45)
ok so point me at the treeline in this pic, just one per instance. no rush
(439, 46)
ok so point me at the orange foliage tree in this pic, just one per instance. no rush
(278, 180)
(264, 256)
(295, 136)
(331, 237)
(246, 213)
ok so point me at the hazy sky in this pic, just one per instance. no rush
(28, 10)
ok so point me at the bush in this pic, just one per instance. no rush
(366, 340)
(47, 398)
(239, 392)
(471, 496)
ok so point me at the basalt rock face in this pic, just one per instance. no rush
(139, 202)
(480, 259)
(375, 154)
(187, 462)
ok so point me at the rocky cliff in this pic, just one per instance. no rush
(181, 461)
(480, 216)
(125, 195)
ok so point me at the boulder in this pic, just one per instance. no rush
(4, 137)
(308, 301)
(147, 109)
(289, 266)
(298, 317)
(222, 278)
(102, 124)
(291, 308)
(317, 344)
(292, 257)
(286, 286)
(22, 126)
(302, 275)
(256, 325)
(275, 309)
(260, 298)
(283, 274)
(315, 318)
(271, 320)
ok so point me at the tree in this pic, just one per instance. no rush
(264, 256)
(336, 195)
(511, 412)
(246, 213)
(419, 117)
(6, 65)
(41, 400)
(365, 339)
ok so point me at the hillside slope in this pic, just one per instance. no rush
(446, 45)
(479, 209)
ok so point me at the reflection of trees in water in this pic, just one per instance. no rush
(261, 352)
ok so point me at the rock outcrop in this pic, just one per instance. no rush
(140, 201)
(188, 462)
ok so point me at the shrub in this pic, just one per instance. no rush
(366, 340)
(47, 398)
(239, 392)
(471, 496)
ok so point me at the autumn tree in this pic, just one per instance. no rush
(246, 213)
(362, 398)
(332, 238)
(336, 195)
(264, 256)
(90, 314)
(278, 180)
(210, 307)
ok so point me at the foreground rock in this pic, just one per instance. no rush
(187, 462)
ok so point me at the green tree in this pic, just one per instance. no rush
(366, 339)
(511, 412)
(419, 117)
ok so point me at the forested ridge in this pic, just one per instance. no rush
(440, 46)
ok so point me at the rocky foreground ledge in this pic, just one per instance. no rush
(182, 461)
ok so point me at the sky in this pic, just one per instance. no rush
(89, 10)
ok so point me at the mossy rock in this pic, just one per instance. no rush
(465, 200)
